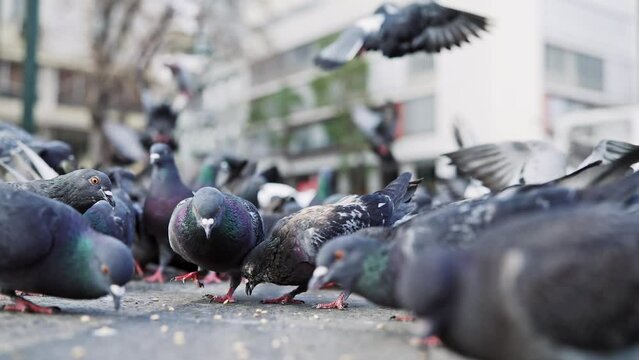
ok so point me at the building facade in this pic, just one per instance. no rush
(540, 60)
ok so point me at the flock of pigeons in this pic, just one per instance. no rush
(542, 267)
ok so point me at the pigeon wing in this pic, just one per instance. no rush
(495, 165)
(583, 303)
(445, 27)
(349, 43)
(25, 229)
(607, 151)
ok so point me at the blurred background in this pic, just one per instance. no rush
(238, 78)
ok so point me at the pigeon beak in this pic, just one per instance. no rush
(154, 158)
(108, 196)
(319, 278)
(207, 225)
(117, 292)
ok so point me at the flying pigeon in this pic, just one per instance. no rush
(554, 285)
(501, 165)
(166, 191)
(215, 231)
(48, 248)
(395, 31)
(288, 256)
(79, 189)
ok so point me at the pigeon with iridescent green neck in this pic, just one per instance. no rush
(215, 230)
(61, 256)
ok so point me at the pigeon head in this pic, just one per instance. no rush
(208, 207)
(101, 216)
(439, 269)
(161, 154)
(340, 261)
(82, 188)
(255, 266)
(116, 264)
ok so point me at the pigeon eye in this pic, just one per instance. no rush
(105, 269)
(339, 254)
(94, 180)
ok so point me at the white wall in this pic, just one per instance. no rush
(603, 28)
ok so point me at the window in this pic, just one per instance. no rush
(419, 115)
(589, 72)
(72, 87)
(309, 138)
(283, 64)
(11, 79)
(573, 68)
(557, 106)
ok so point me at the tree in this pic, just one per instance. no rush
(128, 33)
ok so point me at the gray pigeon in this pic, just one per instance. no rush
(215, 231)
(370, 261)
(166, 191)
(504, 164)
(49, 249)
(554, 285)
(79, 189)
(395, 31)
(288, 256)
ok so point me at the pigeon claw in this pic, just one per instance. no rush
(402, 318)
(431, 341)
(157, 277)
(287, 299)
(190, 276)
(138, 269)
(24, 306)
(220, 299)
(338, 304)
(211, 278)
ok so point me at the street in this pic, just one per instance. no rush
(174, 321)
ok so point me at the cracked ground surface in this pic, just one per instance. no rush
(175, 321)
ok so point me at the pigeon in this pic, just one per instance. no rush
(101, 217)
(118, 221)
(160, 126)
(215, 230)
(288, 256)
(501, 165)
(395, 31)
(166, 191)
(369, 261)
(362, 265)
(61, 256)
(80, 189)
(553, 285)
(57, 154)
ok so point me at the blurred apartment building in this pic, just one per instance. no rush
(64, 65)
(542, 59)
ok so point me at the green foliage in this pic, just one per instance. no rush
(277, 105)
(340, 86)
